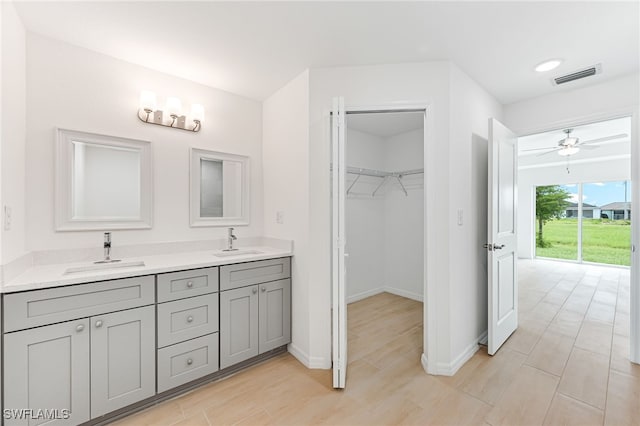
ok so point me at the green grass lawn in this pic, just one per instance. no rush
(603, 241)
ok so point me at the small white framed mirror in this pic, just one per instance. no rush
(102, 182)
(219, 189)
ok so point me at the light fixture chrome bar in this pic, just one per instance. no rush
(143, 115)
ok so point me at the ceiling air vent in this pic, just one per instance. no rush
(577, 75)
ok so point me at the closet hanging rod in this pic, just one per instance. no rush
(378, 173)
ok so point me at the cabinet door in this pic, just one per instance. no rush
(122, 359)
(275, 315)
(47, 368)
(238, 325)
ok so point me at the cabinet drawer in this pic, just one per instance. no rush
(185, 319)
(187, 361)
(244, 274)
(40, 307)
(178, 285)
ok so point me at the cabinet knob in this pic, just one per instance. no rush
(189, 318)
(98, 323)
(189, 284)
(189, 361)
(263, 289)
(79, 328)
(254, 291)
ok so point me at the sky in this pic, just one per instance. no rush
(600, 193)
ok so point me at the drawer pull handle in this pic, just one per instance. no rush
(189, 361)
(189, 318)
(98, 323)
(254, 291)
(263, 289)
(79, 328)
(189, 284)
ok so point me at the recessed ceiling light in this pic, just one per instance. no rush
(548, 65)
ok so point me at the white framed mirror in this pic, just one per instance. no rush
(102, 182)
(219, 189)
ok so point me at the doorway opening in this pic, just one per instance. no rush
(575, 248)
(384, 220)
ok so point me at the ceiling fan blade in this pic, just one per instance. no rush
(588, 147)
(549, 152)
(538, 149)
(605, 139)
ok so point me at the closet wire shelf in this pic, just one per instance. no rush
(385, 176)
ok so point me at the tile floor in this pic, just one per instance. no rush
(565, 365)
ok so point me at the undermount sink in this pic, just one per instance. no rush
(104, 266)
(236, 253)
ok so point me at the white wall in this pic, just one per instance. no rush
(528, 179)
(463, 111)
(74, 88)
(574, 106)
(404, 217)
(471, 107)
(12, 134)
(365, 217)
(385, 232)
(286, 187)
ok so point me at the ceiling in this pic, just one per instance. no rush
(386, 124)
(607, 150)
(254, 48)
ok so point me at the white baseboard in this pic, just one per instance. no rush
(385, 289)
(311, 362)
(425, 363)
(404, 293)
(364, 295)
(449, 369)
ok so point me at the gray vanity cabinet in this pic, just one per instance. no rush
(238, 325)
(255, 309)
(274, 315)
(87, 348)
(48, 368)
(123, 364)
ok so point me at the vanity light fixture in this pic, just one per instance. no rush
(150, 113)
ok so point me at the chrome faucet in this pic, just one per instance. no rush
(107, 250)
(230, 239)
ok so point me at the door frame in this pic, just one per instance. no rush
(634, 113)
(428, 358)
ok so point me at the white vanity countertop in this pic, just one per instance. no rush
(49, 276)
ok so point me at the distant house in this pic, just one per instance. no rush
(589, 211)
(619, 210)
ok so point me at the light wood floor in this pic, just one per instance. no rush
(565, 365)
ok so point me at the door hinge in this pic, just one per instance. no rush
(488, 246)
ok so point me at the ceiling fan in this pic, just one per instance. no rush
(570, 145)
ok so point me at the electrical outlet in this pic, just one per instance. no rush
(7, 218)
(460, 215)
(280, 217)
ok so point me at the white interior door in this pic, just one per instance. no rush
(339, 276)
(502, 246)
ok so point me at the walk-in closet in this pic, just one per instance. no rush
(385, 235)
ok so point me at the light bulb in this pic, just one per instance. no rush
(197, 113)
(569, 150)
(147, 101)
(173, 107)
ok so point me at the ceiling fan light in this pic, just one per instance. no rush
(570, 141)
(569, 150)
